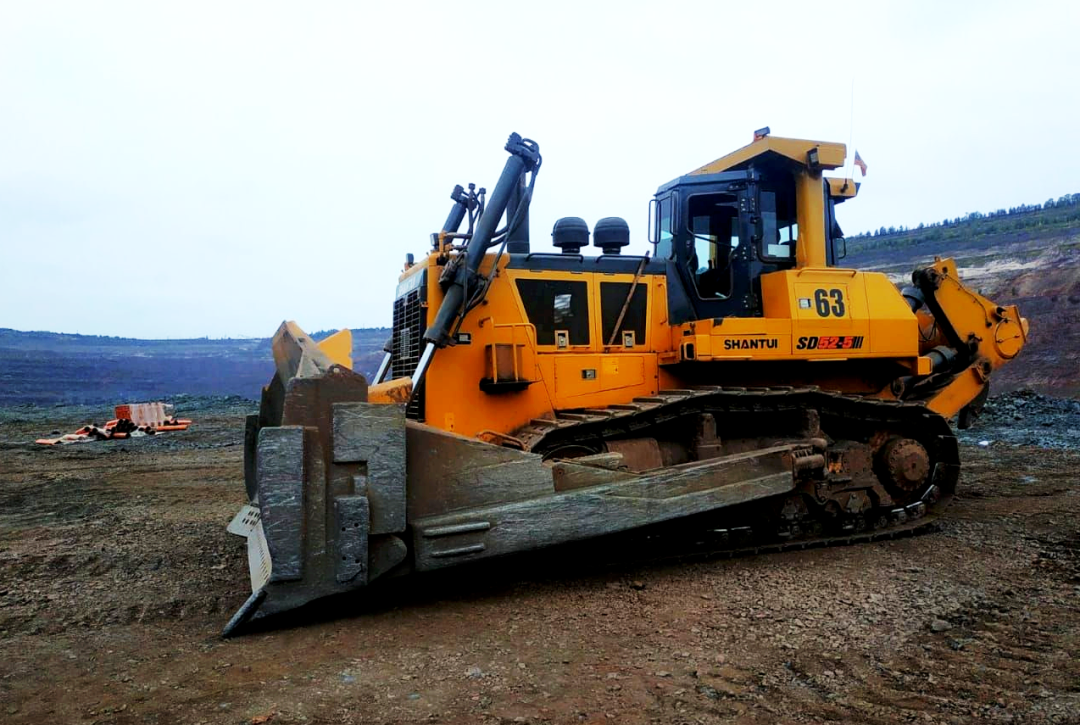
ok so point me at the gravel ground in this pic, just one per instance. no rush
(1027, 418)
(116, 576)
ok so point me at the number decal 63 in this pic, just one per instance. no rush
(829, 302)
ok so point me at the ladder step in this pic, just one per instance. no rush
(576, 417)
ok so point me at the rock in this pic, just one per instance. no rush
(940, 625)
(474, 673)
(710, 692)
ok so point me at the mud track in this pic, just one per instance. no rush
(116, 576)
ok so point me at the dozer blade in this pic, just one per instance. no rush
(323, 510)
(326, 473)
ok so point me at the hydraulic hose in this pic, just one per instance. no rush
(524, 155)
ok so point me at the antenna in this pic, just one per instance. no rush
(851, 128)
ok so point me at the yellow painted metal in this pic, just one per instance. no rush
(951, 399)
(865, 317)
(516, 341)
(392, 391)
(415, 269)
(585, 381)
(338, 347)
(894, 330)
(841, 189)
(997, 331)
(830, 155)
(811, 314)
(994, 333)
(810, 210)
(577, 376)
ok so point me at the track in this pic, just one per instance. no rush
(761, 414)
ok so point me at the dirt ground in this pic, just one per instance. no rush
(116, 576)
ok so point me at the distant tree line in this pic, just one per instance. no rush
(1060, 213)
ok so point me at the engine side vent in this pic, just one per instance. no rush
(410, 323)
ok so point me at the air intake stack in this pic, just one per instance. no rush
(611, 234)
(570, 234)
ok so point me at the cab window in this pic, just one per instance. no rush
(713, 223)
(780, 230)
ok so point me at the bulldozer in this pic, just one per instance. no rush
(737, 384)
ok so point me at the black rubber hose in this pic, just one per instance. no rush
(523, 158)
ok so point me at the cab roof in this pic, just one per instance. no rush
(777, 148)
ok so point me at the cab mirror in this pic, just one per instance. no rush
(654, 220)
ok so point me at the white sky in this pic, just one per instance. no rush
(190, 169)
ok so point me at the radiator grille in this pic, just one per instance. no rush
(410, 318)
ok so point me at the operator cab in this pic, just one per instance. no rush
(719, 232)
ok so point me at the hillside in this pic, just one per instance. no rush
(1028, 256)
(52, 368)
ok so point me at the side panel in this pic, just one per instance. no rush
(743, 338)
(580, 371)
(811, 314)
(453, 399)
(894, 329)
(827, 307)
(583, 381)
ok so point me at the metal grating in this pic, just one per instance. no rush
(410, 322)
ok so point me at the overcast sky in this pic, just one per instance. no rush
(190, 169)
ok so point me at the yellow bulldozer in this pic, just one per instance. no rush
(737, 385)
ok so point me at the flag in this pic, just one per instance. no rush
(860, 163)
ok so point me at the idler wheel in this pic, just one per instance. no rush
(905, 464)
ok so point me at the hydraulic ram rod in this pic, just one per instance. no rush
(524, 155)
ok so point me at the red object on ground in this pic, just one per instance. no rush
(131, 419)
